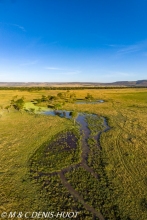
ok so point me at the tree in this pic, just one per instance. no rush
(72, 97)
(48, 97)
(61, 95)
(44, 98)
(89, 97)
(67, 93)
(74, 114)
(57, 106)
(53, 98)
(18, 104)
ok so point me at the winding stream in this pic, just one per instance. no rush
(85, 133)
(81, 120)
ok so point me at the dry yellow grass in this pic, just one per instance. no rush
(125, 146)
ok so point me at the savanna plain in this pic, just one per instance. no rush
(48, 163)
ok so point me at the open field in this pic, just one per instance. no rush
(38, 173)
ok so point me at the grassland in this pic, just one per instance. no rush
(120, 192)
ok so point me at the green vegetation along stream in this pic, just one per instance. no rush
(68, 155)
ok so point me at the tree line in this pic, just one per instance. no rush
(68, 88)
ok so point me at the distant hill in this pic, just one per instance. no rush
(137, 83)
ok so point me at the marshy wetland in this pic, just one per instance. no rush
(67, 151)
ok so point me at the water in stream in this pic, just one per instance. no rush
(89, 102)
(60, 113)
(81, 120)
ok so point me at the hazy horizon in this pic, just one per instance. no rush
(73, 82)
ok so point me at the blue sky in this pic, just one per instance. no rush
(73, 40)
